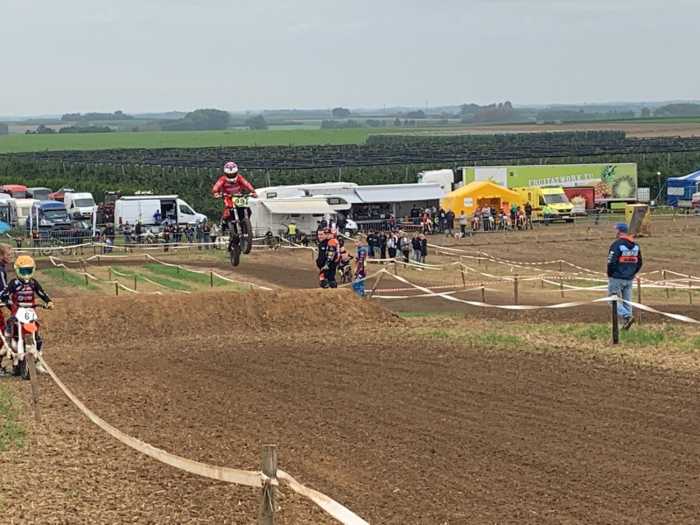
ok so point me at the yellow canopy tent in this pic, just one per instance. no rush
(478, 194)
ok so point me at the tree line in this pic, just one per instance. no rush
(194, 184)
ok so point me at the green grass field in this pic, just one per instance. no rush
(182, 139)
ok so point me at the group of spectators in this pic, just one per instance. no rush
(169, 233)
(492, 219)
(202, 232)
(395, 243)
(485, 218)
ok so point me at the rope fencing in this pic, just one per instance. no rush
(255, 479)
(449, 296)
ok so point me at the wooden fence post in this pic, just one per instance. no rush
(267, 499)
(615, 324)
(464, 280)
(211, 279)
(668, 293)
(515, 290)
(376, 283)
(561, 285)
(483, 293)
(109, 273)
(116, 288)
(690, 289)
(134, 281)
(87, 283)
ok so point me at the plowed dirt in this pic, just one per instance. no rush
(401, 428)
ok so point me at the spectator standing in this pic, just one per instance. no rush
(391, 244)
(206, 234)
(167, 232)
(463, 223)
(528, 215)
(157, 217)
(292, 231)
(214, 235)
(624, 262)
(341, 222)
(138, 232)
(485, 214)
(416, 245)
(372, 243)
(382, 244)
(423, 247)
(405, 246)
(126, 230)
(449, 222)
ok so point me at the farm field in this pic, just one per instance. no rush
(641, 128)
(304, 136)
(408, 411)
(181, 139)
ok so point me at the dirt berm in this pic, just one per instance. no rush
(99, 318)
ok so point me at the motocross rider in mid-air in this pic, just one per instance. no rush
(22, 291)
(229, 184)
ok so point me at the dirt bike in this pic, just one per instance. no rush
(239, 241)
(345, 273)
(22, 348)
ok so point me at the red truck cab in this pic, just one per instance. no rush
(17, 191)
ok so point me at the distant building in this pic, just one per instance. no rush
(4, 129)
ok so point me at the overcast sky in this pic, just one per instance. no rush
(158, 55)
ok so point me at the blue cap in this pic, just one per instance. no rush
(621, 227)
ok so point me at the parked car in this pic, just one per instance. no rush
(39, 193)
(60, 194)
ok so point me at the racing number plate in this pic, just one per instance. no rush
(26, 315)
(241, 201)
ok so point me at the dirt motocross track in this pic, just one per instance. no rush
(400, 428)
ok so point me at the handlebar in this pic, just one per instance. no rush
(9, 306)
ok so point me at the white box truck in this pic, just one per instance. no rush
(154, 210)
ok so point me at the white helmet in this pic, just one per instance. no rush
(231, 169)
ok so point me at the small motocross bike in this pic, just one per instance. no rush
(240, 237)
(23, 348)
(345, 273)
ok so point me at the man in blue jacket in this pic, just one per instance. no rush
(624, 262)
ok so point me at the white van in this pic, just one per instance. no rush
(79, 205)
(153, 210)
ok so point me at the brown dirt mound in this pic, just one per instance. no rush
(259, 311)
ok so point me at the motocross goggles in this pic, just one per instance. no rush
(25, 272)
